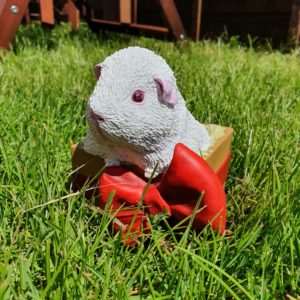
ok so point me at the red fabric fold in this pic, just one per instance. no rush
(187, 179)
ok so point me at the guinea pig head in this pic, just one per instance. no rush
(135, 101)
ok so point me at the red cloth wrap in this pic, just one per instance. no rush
(177, 193)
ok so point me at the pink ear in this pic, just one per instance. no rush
(97, 71)
(166, 91)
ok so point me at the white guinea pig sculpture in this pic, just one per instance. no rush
(136, 115)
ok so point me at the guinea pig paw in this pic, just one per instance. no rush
(112, 162)
(149, 172)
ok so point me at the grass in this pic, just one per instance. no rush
(63, 249)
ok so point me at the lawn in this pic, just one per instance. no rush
(54, 245)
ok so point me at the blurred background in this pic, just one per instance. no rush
(276, 21)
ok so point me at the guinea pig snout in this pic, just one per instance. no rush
(96, 116)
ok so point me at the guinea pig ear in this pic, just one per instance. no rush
(166, 92)
(97, 70)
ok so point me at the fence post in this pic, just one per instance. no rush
(11, 14)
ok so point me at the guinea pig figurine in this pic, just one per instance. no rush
(136, 114)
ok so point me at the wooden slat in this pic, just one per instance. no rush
(73, 14)
(27, 16)
(83, 9)
(132, 25)
(2, 3)
(135, 10)
(173, 18)
(149, 27)
(294, 26)
(47, 12)
(197, 19)
(105, 22)
(9, 21)
(125, 11)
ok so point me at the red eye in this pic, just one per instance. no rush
(138, 96)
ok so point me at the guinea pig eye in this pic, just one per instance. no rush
(138, 96)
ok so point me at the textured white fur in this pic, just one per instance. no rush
(143, 134)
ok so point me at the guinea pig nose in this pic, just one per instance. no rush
(97, 116)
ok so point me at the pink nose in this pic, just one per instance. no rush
(97, 117)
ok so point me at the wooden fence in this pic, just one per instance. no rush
(174, 19)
